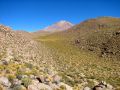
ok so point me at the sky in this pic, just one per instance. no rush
(33, 15)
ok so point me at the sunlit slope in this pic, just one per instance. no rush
(100, 35)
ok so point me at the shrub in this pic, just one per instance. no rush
(11, 77)
(29, 65)
(26, 82)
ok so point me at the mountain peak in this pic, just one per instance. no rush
(59, 26)
(63, 21)
(4, 28)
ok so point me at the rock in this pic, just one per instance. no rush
(99, 87)
(16, 82)
(19, 77)
(103, 86)
(110, 87)
(5, 82)
(33, 87)
(54, 86)
(39, 86)
(67, 87)
(1, 87)
(41, 79)
(56, 79)
(48, 79)
(5, 61)
(19, 87)
(82, 75)
(32, 76)
(24, 76)
(44, 86)
(35, 82)
(87, 88)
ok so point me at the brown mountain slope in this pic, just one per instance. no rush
(20, 47)
(99, 35)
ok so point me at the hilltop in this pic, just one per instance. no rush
(59, 26)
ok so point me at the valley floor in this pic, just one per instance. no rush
(76, 66)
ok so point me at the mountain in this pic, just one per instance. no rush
(59, 26)
(95, 35)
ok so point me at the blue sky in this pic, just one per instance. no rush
(32, 15)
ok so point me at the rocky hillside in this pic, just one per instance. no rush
(101, 36)
(26, 64)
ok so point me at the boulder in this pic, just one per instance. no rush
(19, 87)
(33, 87)
(103, 86)
(39, 86)
(110, 87)
(5, 82)
(87, 88)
